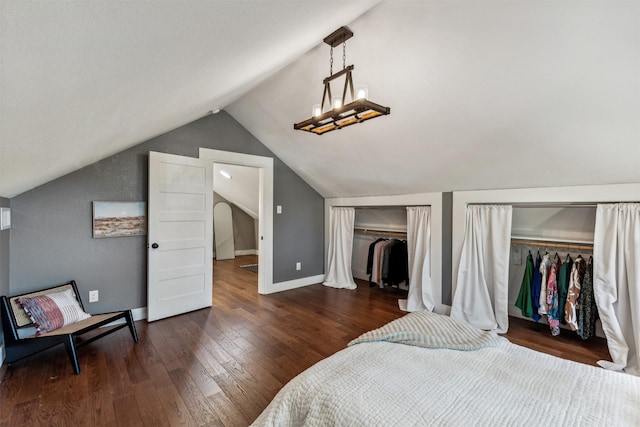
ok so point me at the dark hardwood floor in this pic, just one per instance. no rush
(218, 366)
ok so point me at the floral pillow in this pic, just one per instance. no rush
(53, 311)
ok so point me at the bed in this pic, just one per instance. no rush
(428, 369)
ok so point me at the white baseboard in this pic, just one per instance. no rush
(296, 283)
(360, 274)
(139, 313)
(241, 252)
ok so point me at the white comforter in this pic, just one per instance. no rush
(391, 384)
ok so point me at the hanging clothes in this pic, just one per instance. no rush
(571, 306)
(387, 262)
(588, 312)
(524, 302)
(545, 265)
(370, 256)
(563, 285)
(375, 264)
(384, 261)
(398, 264)
(554, 312)
(535, 288)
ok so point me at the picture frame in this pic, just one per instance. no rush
(119, 218)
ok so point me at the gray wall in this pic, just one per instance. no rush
(299, 229)
(4, 253)
(244, 234)
(447, 229)
(51, 233)
(4, 260)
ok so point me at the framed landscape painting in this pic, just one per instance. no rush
(114, 219)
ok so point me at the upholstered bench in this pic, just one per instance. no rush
(57, 311)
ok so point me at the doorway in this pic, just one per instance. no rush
(236, 214)
(264, 167)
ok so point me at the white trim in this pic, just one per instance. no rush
(138, 314)
(1, 355)
(360, 274)
(265, 224)
(418, 199)
(297, 283)
(241, 252)
(530, 196)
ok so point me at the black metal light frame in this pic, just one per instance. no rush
(357, 111)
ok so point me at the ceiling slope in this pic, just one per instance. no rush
(483, 94)
(80, 81)
(242, 189)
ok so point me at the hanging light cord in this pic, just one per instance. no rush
(344, 58)
(344, 55)
(331, 62)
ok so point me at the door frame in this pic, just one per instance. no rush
(265, 209)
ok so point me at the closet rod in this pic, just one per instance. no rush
(380, 232)
(542, 204)
(551, 244)
(380, 207)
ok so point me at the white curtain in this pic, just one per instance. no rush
(339, 273)
(616, 282)
(481, 297)
(419, 257)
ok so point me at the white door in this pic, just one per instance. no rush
(180, 234)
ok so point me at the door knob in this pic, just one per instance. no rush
(155, 246)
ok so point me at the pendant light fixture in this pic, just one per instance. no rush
(334, 112)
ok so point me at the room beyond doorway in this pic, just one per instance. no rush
(265, 223)
(231, 271)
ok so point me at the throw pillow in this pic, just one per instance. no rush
(53, 311)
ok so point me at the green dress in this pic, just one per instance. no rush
(563, 285)
(524, 301)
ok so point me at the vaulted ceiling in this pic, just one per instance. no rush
(483, 94)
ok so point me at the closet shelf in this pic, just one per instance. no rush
(552, 243)
(381, 232)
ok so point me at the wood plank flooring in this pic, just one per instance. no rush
(218, 366)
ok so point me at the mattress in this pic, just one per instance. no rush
(390, 377)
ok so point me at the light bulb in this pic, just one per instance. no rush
(316, 110)
(336, 102)
(362, 92)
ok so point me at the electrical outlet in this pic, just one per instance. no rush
(298, 266)
(94, 296)
(278, 209)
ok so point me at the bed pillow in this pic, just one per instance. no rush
(53, 311)
(431, 330)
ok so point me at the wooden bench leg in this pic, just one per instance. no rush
(132, 326)
(71, 351)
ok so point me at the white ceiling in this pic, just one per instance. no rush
(483, 94)
(243, 189)
(81, 80)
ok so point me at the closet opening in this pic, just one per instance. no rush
(555, 236)
(383, 225)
